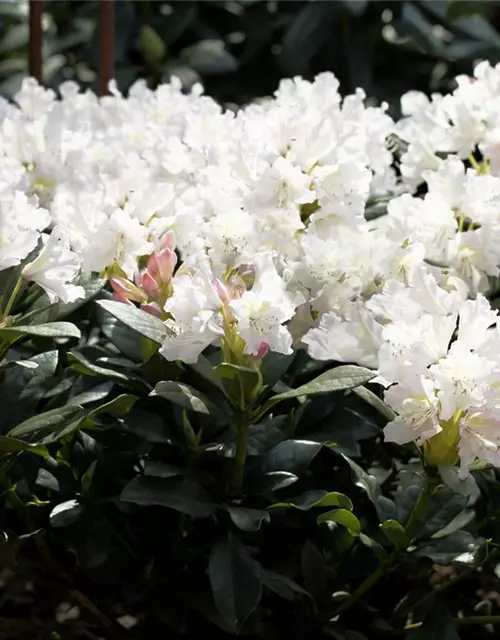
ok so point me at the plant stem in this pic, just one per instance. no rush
(462, 621)
(420, 509)
(240, 456)
(12, 299)
(411, 529)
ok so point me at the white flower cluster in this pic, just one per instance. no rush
(249, 231)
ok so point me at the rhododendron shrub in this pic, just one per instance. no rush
(250, 363)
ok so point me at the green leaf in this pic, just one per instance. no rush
(310, 499)
(338, 379)
(282, 585)
(119, 406)
(49, 330)
(66, 514)
(373, 545)
(373, 400)
(188, 398)
(48, 422)
(209, 57)
(385, 508)
(292, 456)
(272, 481)
(235, 580)
(147, 425)
(12, 445)
(151, 45)
(181, 495)
(308, 31)
(444, 506)
(438, 625)
(342, 517)
(395, 533)
(82, 365)
(248, 519)
(142, 322)
(267, 434)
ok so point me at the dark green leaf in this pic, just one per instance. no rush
(178, 494)
(310, 499)
(236, 582)
(66, 514)
(48, 422)
(386, 509)
(248, 519)
(119, 406)
(337, 379)
(12, 445)
(313, 570)
(306, 34)
(188, 398)
(147, 425)
(272, 481)
(142, 322)
(282, 585)
(292, 456)
(49, 330)
(209, 57)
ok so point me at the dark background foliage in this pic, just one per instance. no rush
(240, 49)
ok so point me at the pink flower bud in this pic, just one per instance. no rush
(149, 284)
(166, 260)
(126, 290)
(152, 308)
(262, 351)
(153, 267)
(168, 241)
(221, 291)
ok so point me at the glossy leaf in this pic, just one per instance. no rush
(181, 495)
(142, 322)
(236, 581)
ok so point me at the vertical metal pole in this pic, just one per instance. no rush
(35, 39)
(106, 44)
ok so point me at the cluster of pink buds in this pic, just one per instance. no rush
(152, 286)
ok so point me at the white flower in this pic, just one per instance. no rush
(55, 269)
(262, 310)
(416, 404)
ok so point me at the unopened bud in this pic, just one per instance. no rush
(149, 284)
(126, 290)
(166, 260)
(168, 241)
(221, 291)
(262, 351)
